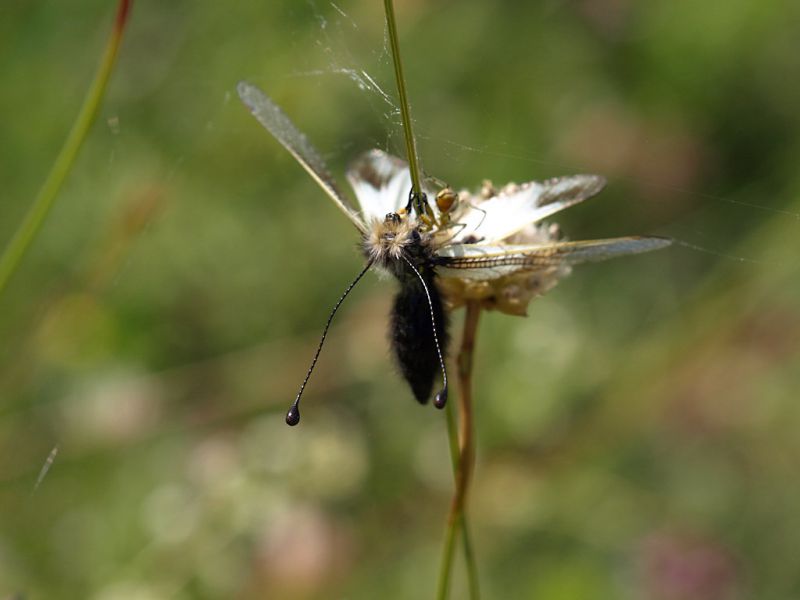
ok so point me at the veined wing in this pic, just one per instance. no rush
(474, 261)
(278, 124)
(509, 211)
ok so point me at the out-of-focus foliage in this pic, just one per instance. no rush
(637, 433)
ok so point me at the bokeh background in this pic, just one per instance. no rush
(637, 433)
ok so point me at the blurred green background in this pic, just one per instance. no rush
(637, 433)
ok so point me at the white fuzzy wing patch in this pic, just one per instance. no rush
(381, 183)
(513, 208)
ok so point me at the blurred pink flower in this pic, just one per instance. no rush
(687, 567)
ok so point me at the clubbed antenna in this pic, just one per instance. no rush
(293, 414)
(440, 399)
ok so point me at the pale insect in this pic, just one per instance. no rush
(490, 250)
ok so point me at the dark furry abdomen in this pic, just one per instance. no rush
(411, 334)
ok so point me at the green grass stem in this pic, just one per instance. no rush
(31, 225)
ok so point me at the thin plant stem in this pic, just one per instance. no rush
(405, 112)
(461, 438)
(469, 559)
(446, 565)
(30, 226)
(462, 525)
(462, 450)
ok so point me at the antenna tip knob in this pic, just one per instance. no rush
(293, 416)
(440, 399)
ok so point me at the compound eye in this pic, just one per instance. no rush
(415, 236)
(392, 218)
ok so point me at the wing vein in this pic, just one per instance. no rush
(274, 120)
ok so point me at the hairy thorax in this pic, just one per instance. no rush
(389, 243)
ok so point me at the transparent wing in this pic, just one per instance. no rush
(473, 261)
(278, 124)
(511, 210)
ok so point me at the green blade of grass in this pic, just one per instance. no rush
(411, 147)
(30, 226)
